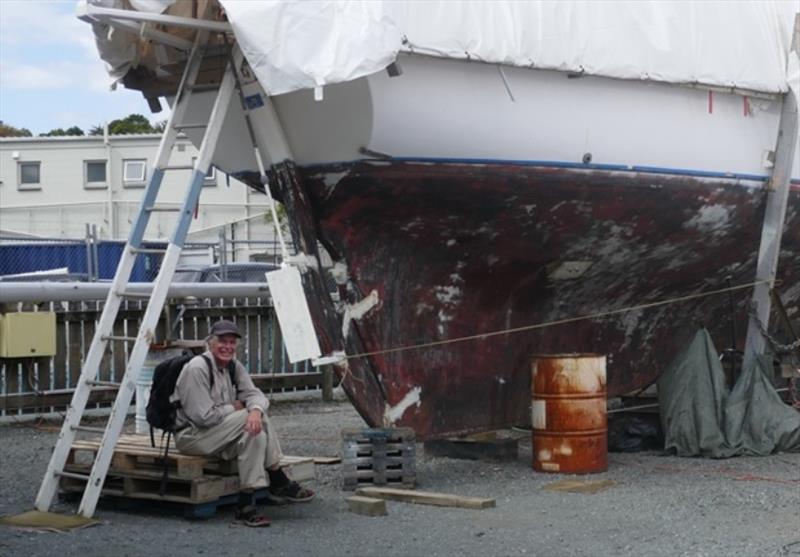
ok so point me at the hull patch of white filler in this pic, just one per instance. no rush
(357, 311)
(394, 413)
(339, 272)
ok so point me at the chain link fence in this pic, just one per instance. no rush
(92, 259)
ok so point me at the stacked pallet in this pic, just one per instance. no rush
(383, 456)
(137, 468)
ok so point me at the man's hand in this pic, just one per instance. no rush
(238, 405)
(253, 423)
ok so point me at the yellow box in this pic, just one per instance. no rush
(27, 334)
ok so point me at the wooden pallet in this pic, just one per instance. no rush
(171, 504)
(198, 497)
(134, 453)
(199, 483)
(137, 455)
(146, 484)
(378, 457)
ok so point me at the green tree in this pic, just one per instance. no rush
(11, 131)
(133, 123)
(160, 126)
(283, 219)
(74, 130)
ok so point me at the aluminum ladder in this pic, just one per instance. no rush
(117, 293)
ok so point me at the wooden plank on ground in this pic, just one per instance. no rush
(580, 486)
(368, 506)
(327, 459)
(426, 497)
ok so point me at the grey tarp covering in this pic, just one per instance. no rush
(701, 418)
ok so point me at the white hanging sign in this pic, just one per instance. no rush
(291, 307)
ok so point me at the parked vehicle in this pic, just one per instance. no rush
(233, 272)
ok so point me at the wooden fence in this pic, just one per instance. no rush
(45, 384)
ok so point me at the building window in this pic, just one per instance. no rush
(134, 172)
(211, 175)
(94, 174)
(30, 175)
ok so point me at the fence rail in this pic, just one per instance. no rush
(43, 385)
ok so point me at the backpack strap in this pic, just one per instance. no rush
(210, 370)
(165, 474)
(232, 372)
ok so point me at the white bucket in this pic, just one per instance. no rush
(156, 355)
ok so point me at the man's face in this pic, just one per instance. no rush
(224, 349)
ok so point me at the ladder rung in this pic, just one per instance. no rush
(178, 167)
(88, 429)
(94, 383)
(133, 295)
(121, 339)
(189, 126)
(148, 250)
(155, 209)
(83, 477)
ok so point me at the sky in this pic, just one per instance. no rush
(50, 73)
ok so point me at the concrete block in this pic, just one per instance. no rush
(367, 506)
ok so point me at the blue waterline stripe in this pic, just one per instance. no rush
(577, 166)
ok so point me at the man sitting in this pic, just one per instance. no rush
(230, 421)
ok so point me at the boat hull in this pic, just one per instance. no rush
(438, 252)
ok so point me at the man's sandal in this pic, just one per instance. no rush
(249, 516)
(292, 492)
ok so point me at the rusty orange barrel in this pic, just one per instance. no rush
(568, 413)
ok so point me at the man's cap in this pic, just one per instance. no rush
(225, 327)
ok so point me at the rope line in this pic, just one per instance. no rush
(483, 336)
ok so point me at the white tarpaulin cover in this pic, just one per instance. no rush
(301, 44)
(118, 48)
(297, 44)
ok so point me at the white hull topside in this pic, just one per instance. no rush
(451, 110)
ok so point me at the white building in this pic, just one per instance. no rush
(51, 187)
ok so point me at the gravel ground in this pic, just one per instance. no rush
(659, 506)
